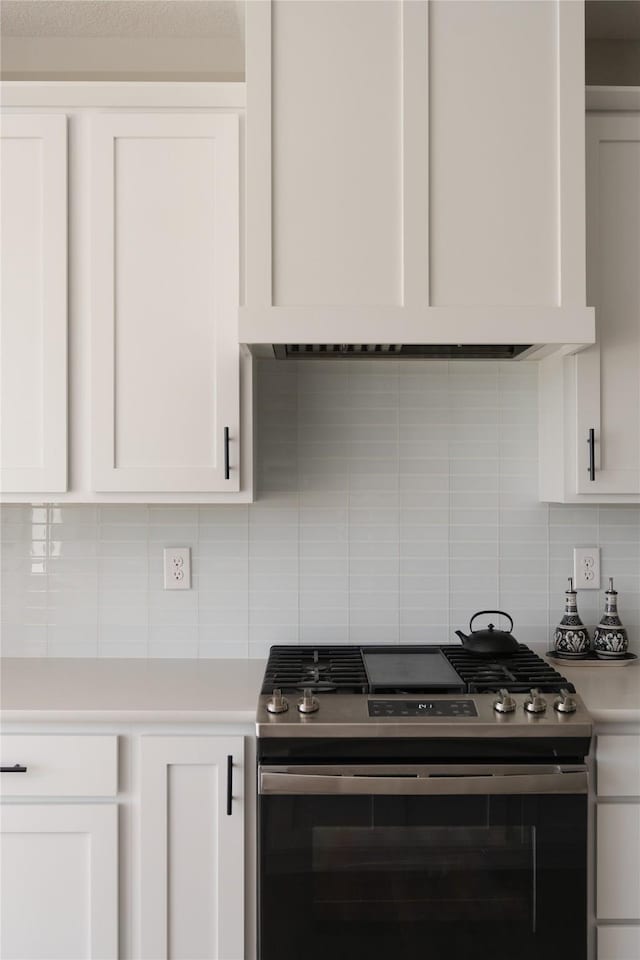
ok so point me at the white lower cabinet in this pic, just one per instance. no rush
(618, 943)
(191, 848)
(59, 880)
(618, 845)
(618, 860)
(123, 845)
(618, 759)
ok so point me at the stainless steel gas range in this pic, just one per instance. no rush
(423, 800)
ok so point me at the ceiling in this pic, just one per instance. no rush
(123, 18)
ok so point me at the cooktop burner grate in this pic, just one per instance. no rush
(518, 672)
(320, 669)
(336, 669)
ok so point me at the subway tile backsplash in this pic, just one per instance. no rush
(395, 500)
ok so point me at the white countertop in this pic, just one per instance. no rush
(217, 691)
(190, 691)
(611, 694)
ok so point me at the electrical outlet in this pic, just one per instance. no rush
(177, 568)
(586, 568)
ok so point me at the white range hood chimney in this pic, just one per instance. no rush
(415, 182)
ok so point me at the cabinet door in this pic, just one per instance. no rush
(165, 282)
(191, 835)
(618, 943)
(618, 765)
(618, 861)
(607, 384)
(33, 254)
(59, 871)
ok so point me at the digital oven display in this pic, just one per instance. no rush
(422, 708)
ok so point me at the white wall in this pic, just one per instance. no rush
(396, 499)
(108, 58)
(122, 39)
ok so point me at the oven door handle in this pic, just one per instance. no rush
(482, 781)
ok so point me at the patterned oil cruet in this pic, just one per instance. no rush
(611, 639)
(571, 638)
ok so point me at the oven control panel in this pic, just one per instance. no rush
(422, 708)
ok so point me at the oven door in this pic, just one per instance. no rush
(451, 862)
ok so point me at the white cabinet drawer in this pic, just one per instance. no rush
(618, 766)
(618, 943)
(618, 861)
(60, 766)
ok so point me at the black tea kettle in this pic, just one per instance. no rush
(490, 640)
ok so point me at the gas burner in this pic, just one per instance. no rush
(493, 673)
(316, 672)
(316, 686)
(319, 669)
(517, 673)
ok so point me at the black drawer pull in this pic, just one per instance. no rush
(591, 440)
(227, 467)
(229, 785)
(16, 768)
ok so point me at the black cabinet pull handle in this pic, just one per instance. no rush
(591, 440)
(226, 453)
(16, 768)
(229, 784)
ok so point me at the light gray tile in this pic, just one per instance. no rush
(182, 649)
(423, 633)
(334, 633)
(223, 648)
(123, 650)
(71, 514)
(124, 514)
(374, 633)
(273, 616)
(480, 549)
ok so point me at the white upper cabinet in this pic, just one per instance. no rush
(607, 375)
(590, 403)
(33, 349)
(161, 406)
(165, 285)
(415, 172)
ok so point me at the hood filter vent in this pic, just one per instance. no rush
(399, 351)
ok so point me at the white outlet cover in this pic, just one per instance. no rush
(586, 568)
(177, 568)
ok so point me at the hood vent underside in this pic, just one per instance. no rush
(399, 351)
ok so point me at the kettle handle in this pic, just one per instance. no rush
(481, 613)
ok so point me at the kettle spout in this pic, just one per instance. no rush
(462, 635)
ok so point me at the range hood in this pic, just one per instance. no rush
(421, 195)
(398, 351)
(433, 333)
